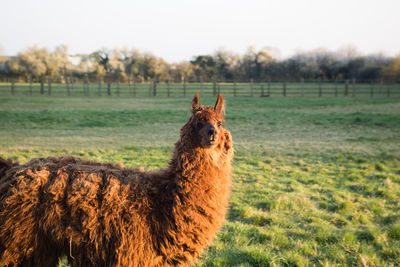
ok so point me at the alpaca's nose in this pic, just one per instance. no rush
(211, 131)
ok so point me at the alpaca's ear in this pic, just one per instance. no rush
(219, 106)
(195, 103)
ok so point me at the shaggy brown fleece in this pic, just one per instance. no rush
(107, 215)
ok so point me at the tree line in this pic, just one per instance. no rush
(35, 63)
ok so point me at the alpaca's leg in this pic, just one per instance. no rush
(46, 254)
(40, 260)
(29, 250)
(49, 261)
(18, 243)
(8, 259)
(33, 259)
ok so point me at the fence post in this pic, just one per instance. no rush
(30, 85)
(346, 88)
(109, 85)
(150, 87)
(234, 89)
(67, 83)
(214, 87)
(269, 87)
(129, 85)
(184, 86)
(371, 93)
(72, 85)
(201, 87)
(251, 87)
(84, 86)
(302, 87)
(284, 89)
(12, 86)
(49, 85)
(155, 87)
(388, 88)
(99, 85)
(86, 81)
(118, 86)
(319, 88)
(262, 90)
(354, 87)
(134, 86)
(336, 88)
(168, 89)
(41, 84)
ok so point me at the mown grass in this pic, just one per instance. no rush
(315, 182)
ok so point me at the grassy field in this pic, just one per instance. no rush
(315, 182)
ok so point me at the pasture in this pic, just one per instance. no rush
(316, 181)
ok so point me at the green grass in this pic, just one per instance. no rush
(315, 182)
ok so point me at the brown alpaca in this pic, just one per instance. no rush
(107, 215)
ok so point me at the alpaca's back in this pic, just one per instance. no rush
(84, 209)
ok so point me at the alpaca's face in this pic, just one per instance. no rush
(207, 122)
(207, 126)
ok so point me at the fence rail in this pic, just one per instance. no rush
(77, 88)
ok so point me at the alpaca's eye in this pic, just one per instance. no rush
(198, 126)
(219, 124)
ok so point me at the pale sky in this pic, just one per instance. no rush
(177, 30)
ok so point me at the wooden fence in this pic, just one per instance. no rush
(302, 88)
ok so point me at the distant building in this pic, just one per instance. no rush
(82, 62)
(75, 60)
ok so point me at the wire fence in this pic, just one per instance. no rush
(173, 89)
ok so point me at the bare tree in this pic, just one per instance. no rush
(102, 57)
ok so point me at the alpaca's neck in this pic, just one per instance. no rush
(193, 195)
(202, 174)
(196, 163)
